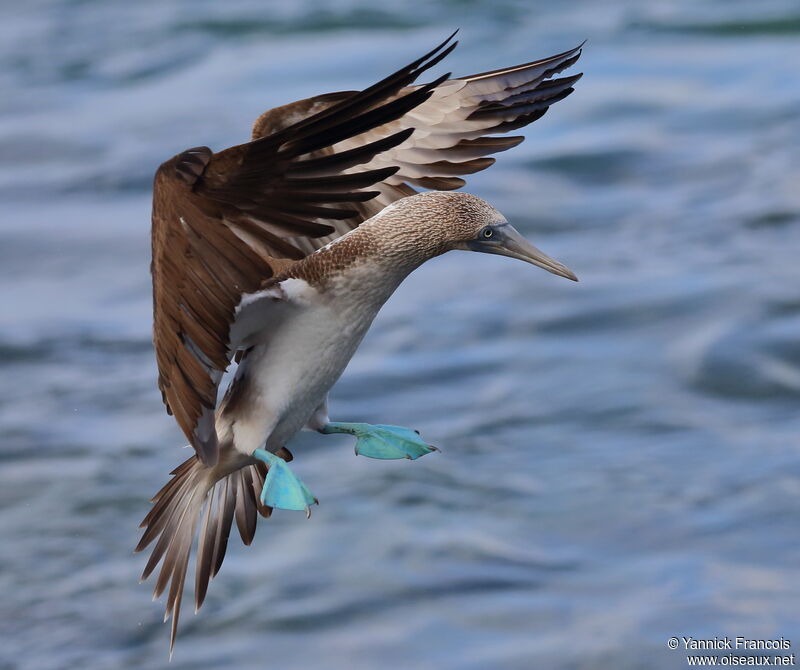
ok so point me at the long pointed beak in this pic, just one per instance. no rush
(509, 242)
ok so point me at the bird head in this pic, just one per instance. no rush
(477, 226)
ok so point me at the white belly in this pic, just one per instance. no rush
(291, 375)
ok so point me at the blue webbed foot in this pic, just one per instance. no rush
(386, 442)
(282, 488)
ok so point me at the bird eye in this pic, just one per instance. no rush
(486, 233)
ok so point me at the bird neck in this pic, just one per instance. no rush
(400, 244)
(373, 259)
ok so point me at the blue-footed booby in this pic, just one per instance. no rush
(277, 254)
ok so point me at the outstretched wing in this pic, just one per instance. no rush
(454, 131)
(224, 222)
(456, 128)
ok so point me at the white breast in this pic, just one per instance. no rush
(297, 361)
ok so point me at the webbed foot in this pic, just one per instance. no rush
(385, 442)
(282, 488)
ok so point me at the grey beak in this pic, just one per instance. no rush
(508, 242)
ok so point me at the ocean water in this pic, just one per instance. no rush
(620, 457)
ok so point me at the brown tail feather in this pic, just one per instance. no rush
(212, 497)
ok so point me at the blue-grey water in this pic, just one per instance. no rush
(620, 458)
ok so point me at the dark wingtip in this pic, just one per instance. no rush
(394, 140)
(383, 173)
(403, 135)
(433, 56)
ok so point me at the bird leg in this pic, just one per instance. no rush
(386, 442)
(282, 488)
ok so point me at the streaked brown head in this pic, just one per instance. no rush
(444, 220)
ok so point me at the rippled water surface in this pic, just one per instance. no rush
(620, 457)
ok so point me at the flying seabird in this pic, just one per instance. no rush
(277, 254)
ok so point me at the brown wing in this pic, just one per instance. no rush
(222, 222)
(454, 127)
(455, 130)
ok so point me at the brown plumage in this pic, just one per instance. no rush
(225, 222)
